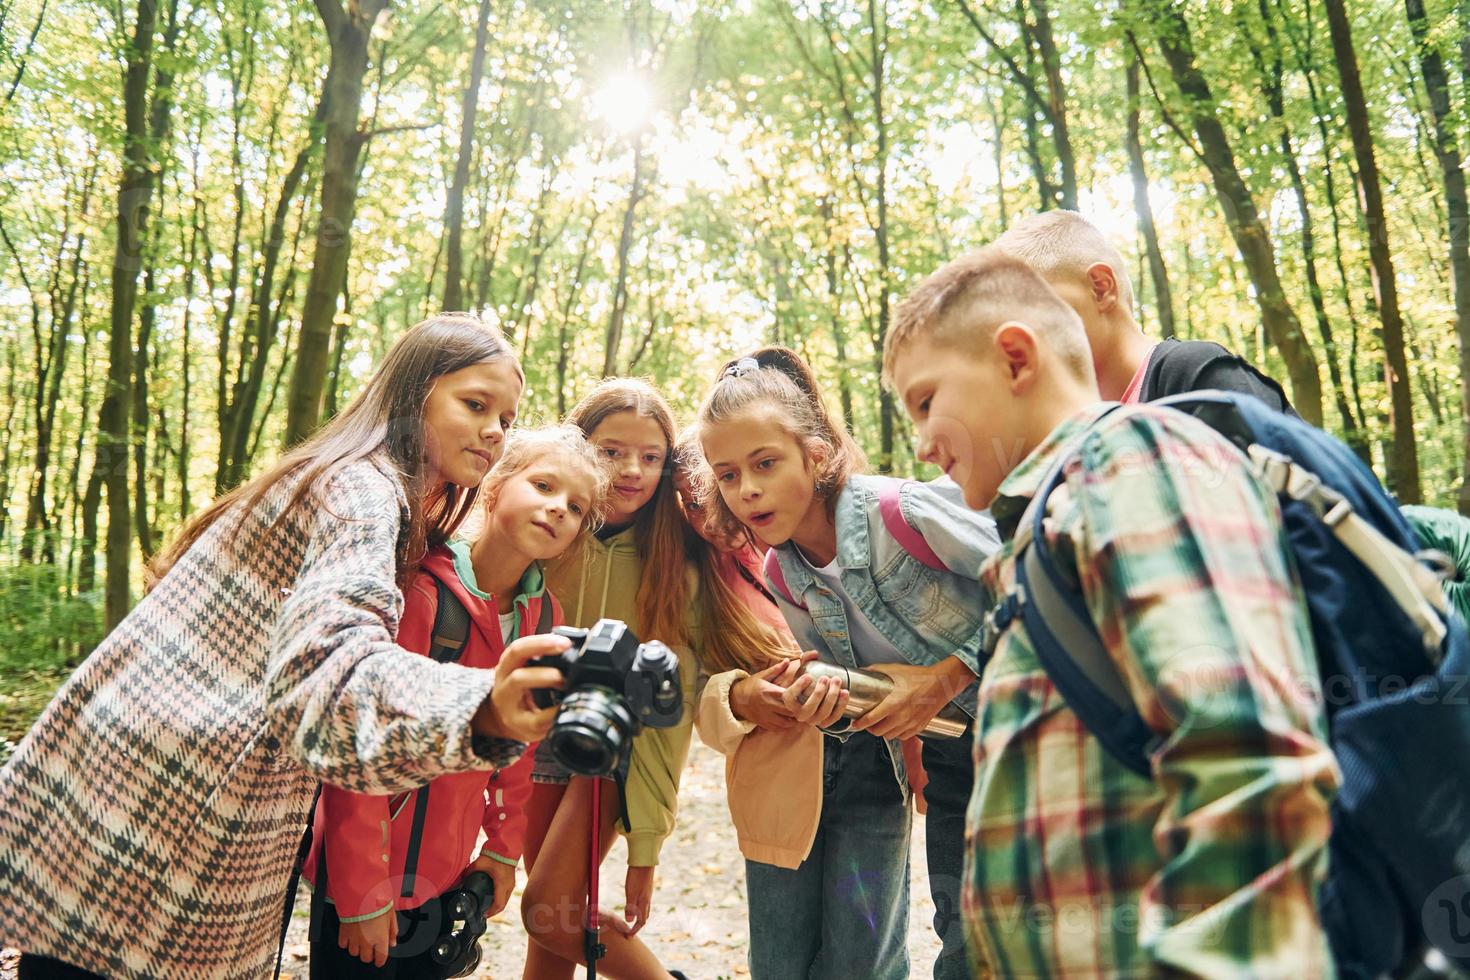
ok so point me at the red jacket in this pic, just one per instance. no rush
(366, 836)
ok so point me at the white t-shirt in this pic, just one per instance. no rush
(868, 645)
(507, 625)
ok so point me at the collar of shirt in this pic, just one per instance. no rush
(1130, 394)
(1017, 489)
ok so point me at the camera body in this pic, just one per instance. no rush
(614, 686)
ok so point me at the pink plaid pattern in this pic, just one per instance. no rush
(149, 820)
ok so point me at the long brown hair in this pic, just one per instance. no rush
(778, 376)
(387, 417)
(733, 637)
(660, 529)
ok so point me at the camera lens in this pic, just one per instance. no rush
(471, 960)
(591, 732)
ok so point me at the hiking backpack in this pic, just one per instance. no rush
(1399, 851)
(448, 637)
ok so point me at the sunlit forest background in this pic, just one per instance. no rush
(647, 187)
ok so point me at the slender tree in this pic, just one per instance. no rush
(1447, 151)
(1165, 20)
(454, 210)
(145, 123)
(1163, 298)
(348, 32)
(1403, 462)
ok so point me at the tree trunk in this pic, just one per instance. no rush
(146, 317)
(454, 212)
(1000, 159)
(1447, 149)
(1241, 216)
(1271, 78)
(10, 407)
(878, 46)
(625, 246)
(135, 193)
(1144, 210)
(564, 343)
(517, 326)
(1051, 63)
(1403, 461)
(260, 331)
(348, 33)
(34, 526)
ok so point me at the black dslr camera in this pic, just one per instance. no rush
(614, 686)
(457, 950)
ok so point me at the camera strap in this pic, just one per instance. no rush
(447, 641)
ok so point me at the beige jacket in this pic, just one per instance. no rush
(773, 780)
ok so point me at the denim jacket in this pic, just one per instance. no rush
(925, 613)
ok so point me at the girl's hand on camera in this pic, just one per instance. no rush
(370, 939)
(509, 711)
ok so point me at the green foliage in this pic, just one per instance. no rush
(46, 627)
(797, 163)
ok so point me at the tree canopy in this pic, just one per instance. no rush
(217, 215)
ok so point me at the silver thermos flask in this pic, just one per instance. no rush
(865, 688)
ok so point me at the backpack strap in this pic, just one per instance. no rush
(1412, 585)
(1068, 646)
(908, 538)
(318, 893)
(450, 635)
(1066, 641)
(772, 567)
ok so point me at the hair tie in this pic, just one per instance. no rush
(740, 368)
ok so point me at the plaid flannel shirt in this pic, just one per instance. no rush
(1075, 865)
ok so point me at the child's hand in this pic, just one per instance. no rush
(509, 711)
(814, 701)
(370, 939)
(757, 698)
(638, 897)
(918, 694)
(502, 876)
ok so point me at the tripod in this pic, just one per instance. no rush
(593, 950)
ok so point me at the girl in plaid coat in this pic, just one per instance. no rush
(150, 821)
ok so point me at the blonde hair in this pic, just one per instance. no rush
(1062, 245)
(527, 447)
(778, 376)
(660, 530)
(968, 299)
(740, 641)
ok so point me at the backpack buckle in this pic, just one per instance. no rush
(1000, 618)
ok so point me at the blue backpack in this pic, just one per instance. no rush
(1394, 665)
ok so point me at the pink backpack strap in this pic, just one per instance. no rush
(777, 578)
(909, 539)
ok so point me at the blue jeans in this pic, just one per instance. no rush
(844, 912)
(950, 765)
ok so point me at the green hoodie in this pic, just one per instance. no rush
(1447, 531)
(600, 581)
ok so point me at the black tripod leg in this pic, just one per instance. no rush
(594, 950)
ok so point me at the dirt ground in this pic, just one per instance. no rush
(698, 923)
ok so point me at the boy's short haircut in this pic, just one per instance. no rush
(1062, 245)
(967, 300)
